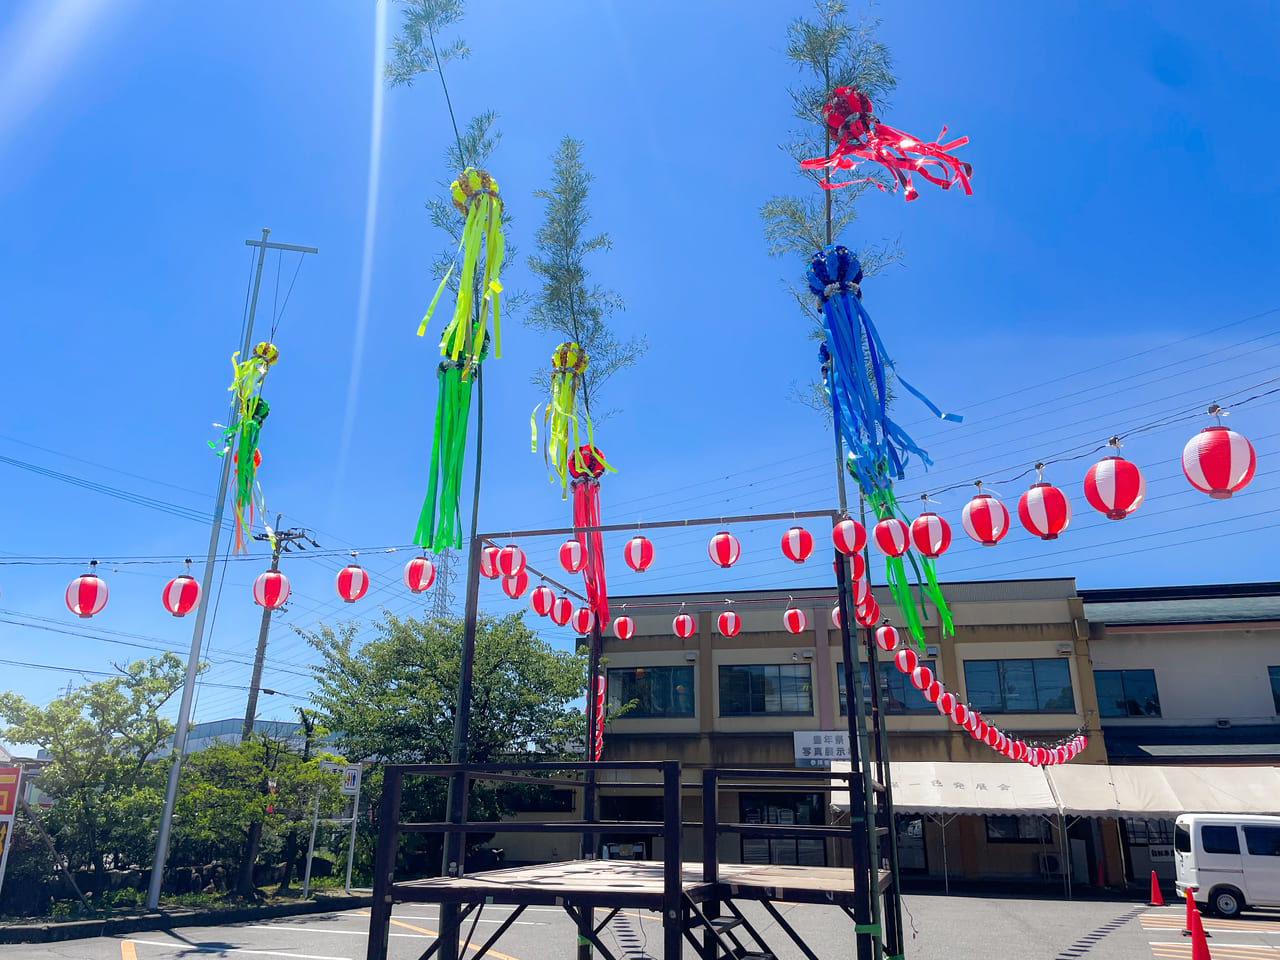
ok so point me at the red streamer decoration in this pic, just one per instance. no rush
(586, 469)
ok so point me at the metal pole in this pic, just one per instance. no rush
(251, 706)
(311, 845)
(351, 843)
(586, 915)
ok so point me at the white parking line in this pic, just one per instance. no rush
(518, 923)
(345, 933)
(188, 947)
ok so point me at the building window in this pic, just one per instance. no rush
(897, 695)
(1275, 686)
(1019, 686)
(1153, 833)
(1127, 693)
(1017, 830)
(1219, 840)
(766, 689)
(656, 691)
(1262, 841)
(785, 809)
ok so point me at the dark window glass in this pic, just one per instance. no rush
(1262, 841)
(1219, 839)
(657, 691)
(783, 809)
(1019, 686)
(1181, 839)
(784, 689)
(897, 695)
(1017, 830)
(1275, 686)
(1127, 693)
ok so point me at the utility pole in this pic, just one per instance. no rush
(280, 541)
(206, 585)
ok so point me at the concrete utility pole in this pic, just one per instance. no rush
(197, 634)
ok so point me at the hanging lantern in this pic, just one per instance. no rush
(891, 537)
(905, 660)
(861, 593)
(959, 713)
(542, 599)
(181, 594)
(271, 589)
(945, 703)
(794, 620)
(797, 544)
(1044, 510)
(849, 536)
(624, 628)
(728, 623)
(985, 519)
(921, 677)
(1218, 461)
(419, 574)
(933, 692)
(855, 565)
(489, 563)
(87, 595)
(1114, 486)
(724, 549)
(931, 535)
(867, 615)
(561, 611)
(572, 557)
(514, 587)
(992, 737)
(582, 620)
(683, 626)
(510, 560)
(351, 582)
(887, 638)
(835, 616)
(638, 553)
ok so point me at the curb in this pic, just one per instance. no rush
(80, 929)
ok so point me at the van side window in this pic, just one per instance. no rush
(1263, 841)
(1181, 839)
(1219, 839)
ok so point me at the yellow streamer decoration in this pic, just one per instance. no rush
(560, 419)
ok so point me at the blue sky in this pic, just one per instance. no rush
(1114, 267)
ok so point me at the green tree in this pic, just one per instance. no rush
(101, 738)
(569, 304)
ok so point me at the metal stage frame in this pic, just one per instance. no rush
(690, 895)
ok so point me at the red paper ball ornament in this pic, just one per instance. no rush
(582, 620)
(931, 535)
(933, 692)
(489, 563)
(891, 537)
(510, 560)
(638, 553)
(683, 626)
(572, 557)
(835, 616)
(1114, 487)
(1218, 461)
(271, 589)
(861, 593)
(542, 599)
(351, 582)
(419, 574)
(921, 677)
(959, 713)
(514, 587)
(86, 595)
(905, 660)
(887, 638)
(181, 594)
(797, 544)
(992, 737)
(624, 628)
(728, 623)
(985, 519)
(794, 620)
(1044, 510)
(867, 615)
(849, 536)
(723, 549)
(561, 611)
(946, 703)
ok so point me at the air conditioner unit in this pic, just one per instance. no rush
(1066, 649)
(1050, 865)
(930, 651)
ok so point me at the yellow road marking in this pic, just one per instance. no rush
(1177, 951)
(431, 933)
(128, 951)
(1244, 926)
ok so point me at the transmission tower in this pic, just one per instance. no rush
(443, 599)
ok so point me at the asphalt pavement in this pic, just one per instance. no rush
(938, 928)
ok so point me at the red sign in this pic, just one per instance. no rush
(8, 790)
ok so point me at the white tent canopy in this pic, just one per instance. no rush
(944, 787)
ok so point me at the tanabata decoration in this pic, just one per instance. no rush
(860, 137)
(855, 372)
(241, 437)
(464, 344)
(586, 468)
(560, 437)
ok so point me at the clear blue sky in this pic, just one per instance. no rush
(1125, 207)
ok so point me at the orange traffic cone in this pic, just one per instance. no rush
(1156, 899)
(1189, 925)
(1199, 945)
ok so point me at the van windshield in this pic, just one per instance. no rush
(1181, 838)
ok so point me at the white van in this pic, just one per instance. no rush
(1229, 862)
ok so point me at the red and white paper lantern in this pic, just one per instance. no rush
(561, 611)
(921, 677)
(1218, 461)
(542, 599)
(794, 620)
(797, 544)
(985, 519)
(638, 553)
(489, 563)
(572, 557)
(514, 587)
(835, 616)
(861, 593)
(867, 615)
(905, 660)
(855, 565)
(1114, 487)
(946, 702)
(931, 535)
(351, 582)
(582, 620)
(959, 713)
(86, 595)
(510, 560)
(624, 628)
(849, 536)
(271, 589)
(932, 692)
(891, 537)
(683, 626)
(887, 638)
(419, 574)
(1044, 510)
(992, 737)
(723, 549)
(181, 594)
(728, 623)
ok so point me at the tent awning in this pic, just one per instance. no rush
(946, 787)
